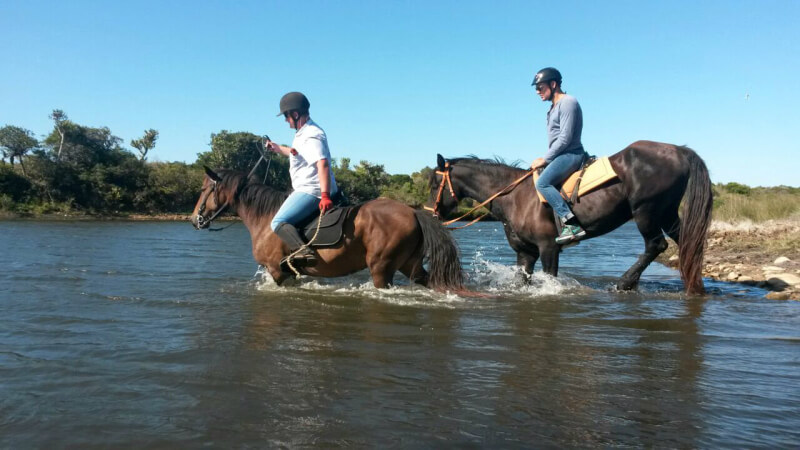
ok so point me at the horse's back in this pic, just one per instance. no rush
(387, 215)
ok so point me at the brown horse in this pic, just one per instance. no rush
(383, 234)
(653, 178)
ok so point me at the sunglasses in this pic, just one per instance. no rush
(541, 86)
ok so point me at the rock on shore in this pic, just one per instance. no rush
(766, 255)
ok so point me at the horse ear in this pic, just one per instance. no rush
(211, 174)
(440, 161)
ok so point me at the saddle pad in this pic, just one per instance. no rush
(330, 232)
(596, 174)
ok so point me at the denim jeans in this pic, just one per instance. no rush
(295, 208)
(554, 174)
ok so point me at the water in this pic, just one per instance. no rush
(137, 334)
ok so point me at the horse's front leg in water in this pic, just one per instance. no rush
(526, 261)
(549, 255)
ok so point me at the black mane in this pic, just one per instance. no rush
(260, 199)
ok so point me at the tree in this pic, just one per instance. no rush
(362, 183)
(60, 118)
(240, 151)
(146, 143)
(16, 142)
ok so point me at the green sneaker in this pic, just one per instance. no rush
(570, 233)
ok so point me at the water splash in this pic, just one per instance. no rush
(491, 276)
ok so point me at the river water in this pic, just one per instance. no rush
(152, 334)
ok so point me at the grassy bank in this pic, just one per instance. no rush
(734, 202)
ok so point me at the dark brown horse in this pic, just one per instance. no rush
(653, 178)
(383, 235)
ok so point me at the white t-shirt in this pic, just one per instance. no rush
(311, 145)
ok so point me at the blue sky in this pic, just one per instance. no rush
(395, 82)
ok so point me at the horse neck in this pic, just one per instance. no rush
(480, 184)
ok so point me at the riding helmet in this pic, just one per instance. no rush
(294, 101)
(547, 74)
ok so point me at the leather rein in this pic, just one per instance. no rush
(446, 179)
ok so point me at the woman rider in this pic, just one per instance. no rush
(312, 178)
(565, 152)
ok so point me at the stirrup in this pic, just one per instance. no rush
(305, 258)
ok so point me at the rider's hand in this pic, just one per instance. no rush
(325, 202)
(538, 162)
(271, 146)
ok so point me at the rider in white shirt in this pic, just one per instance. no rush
(310, 171)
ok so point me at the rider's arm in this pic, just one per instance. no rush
(323, 170)
(282, 149)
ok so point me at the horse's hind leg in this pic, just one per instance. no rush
(654, 244)
(415, 272)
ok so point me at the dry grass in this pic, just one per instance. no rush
(735, 203)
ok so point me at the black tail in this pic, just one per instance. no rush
(695, 219)
(444, 271)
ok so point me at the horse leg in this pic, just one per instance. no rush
(414, 270)
(654, 244)
(382, 275)
(277, 275)
(549, 254)
(527, 260)
(672, 226)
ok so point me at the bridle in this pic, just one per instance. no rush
(202, 221)
(446, 179)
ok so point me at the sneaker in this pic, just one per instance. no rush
(570, 233)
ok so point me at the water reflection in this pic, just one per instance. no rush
(172, 344)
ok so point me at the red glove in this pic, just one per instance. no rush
(325, 202)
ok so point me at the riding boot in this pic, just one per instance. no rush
(289, 234)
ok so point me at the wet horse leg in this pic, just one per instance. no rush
(526, 260)
(654, 245)
(414, 270)
(549, 255)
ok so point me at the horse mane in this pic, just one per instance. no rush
(486, 165)
(260, 199)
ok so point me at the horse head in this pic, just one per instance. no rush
(442, 193)
(215, 198)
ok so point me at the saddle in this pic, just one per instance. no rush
(593, 173)
(330, 231)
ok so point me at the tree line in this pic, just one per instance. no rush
(86, 170)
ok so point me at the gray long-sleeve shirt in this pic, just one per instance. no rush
(564, 126)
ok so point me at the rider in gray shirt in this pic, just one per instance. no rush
(565, 151)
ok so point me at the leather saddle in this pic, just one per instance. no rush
(330, 231)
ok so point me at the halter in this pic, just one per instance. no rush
(202, 221)
(445, 179)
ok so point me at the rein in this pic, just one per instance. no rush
(446, 179)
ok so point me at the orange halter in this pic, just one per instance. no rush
(445, 180)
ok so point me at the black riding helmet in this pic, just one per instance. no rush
(546, 75)
(294, 101)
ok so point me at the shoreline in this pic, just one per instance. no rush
(766, 255)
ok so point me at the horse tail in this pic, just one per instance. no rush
(696, 217)
(444, 271)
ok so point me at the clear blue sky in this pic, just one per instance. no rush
(395, 82)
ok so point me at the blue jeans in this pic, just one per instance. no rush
(554, 174)
(297, 207)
